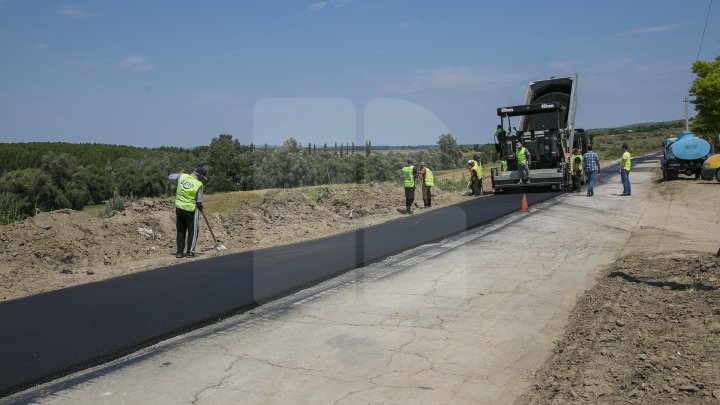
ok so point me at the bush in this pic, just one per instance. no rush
(452, 185)
(12, 208)
(323, 194)
(115, 205)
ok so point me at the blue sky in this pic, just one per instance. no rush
(398, 72)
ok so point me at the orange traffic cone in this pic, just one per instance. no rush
(523, 205)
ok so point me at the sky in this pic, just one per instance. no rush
(394, 72)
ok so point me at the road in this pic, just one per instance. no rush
(465, 320)
(52, 334)
(108, 315)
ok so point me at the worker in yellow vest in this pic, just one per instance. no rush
(426, 177)
(625, 170)
(476, 174)
(188, 202)
(523, 161)
(576, 169)
(409, 173)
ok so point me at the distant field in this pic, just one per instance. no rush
(608, 146)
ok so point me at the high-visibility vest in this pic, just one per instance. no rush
(626, 156)
(186, 194)
(503, 166)
(409, 179)
(520, 155)
(429, 178)
(576, 165)
(478, 169)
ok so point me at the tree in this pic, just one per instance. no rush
(450, 152)
(229, 163)
(706, 90)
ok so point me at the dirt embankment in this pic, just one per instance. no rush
(65, 248)
(649, 331)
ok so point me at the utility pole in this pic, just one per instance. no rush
(687, 120)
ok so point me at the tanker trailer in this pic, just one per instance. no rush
(684, 153)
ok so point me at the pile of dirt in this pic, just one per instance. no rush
(65, 247)
(648, 332)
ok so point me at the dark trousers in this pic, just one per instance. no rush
(409, 197)
(426, 195)
(577, 180)
(476, 186)
(185, 224)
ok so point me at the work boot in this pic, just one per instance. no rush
(179, 255)
(191, 254)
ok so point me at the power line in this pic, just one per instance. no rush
(704, 28)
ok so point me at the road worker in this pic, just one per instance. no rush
(625, 170)
(426, 177)
(576, 169)
(409, 173)
(188, 202)
(475, 168)
(523, 160)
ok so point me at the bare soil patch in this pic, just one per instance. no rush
(65, 247)
(649, 331)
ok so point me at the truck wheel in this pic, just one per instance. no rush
(717, 175)
(697, 175)
(665, 174)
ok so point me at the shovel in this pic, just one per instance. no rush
(218, 246)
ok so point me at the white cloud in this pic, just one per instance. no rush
(649, 30)
(137, 63)
(318, 6)
(453, 78)
(74, 11)
(329, 3)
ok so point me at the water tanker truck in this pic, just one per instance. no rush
(684, 153)
(546, 127)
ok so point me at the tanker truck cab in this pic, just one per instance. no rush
(711, 168)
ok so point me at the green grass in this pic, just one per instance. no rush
(608, 146)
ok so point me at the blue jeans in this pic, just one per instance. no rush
(625, 177)
(523, 171)
(591, 182)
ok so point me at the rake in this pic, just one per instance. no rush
(218, 246)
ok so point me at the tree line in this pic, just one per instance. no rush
(47, 176)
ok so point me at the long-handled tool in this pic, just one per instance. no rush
(218, 246)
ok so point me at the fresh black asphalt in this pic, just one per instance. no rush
(53, 334)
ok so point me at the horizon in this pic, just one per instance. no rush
(330, 146)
